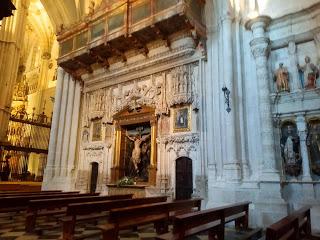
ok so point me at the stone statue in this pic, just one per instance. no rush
(281, 77)
(310, 73)
(136, 152)
(313, 142)
(290, 149)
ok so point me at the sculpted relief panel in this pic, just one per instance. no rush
(160, 91)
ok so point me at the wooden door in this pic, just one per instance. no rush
(184, 186)
(94, 177)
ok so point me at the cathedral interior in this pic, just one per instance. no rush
(153, 105)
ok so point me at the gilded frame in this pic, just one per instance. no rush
(182, 119)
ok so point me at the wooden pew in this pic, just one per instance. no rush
(30, 193)
(20, 203)
(211, 220)
(157, 213)
(48, 207)
(88, 212)
(296, 226)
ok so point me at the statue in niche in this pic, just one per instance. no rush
(310, 74)
(290, 149)
(85, 136)
(313, 142)
(281, 77)
(138, 149)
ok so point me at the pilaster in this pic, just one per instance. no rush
(293, 61)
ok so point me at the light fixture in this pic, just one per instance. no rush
(227, 92)
(6, 8)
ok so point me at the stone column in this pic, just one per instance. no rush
(11, 40)
(293, 69)
(67, 128)
(231, 165)
(260, 47)
(74, 127)
(64, 100)
(54, 125)
(302, 130)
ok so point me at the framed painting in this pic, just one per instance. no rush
(182, 119)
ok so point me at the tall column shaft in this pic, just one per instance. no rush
(260, 46)
(232, 169)
(302, 130)
(11, 38)
(67, 128)
(55, 125)
(74, 128)
(64, 99)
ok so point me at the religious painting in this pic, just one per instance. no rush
(313, 143)
(137, 151)
(182, 119)
(96, 130)
(290, 149)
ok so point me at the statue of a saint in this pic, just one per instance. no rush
(136, 152)
(281, 77)
(310, 73)
(313, 141)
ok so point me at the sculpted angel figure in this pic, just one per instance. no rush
(136, 152)
(281, 77)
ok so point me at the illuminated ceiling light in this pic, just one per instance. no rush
(6, 8)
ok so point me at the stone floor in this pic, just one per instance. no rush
(12, 228)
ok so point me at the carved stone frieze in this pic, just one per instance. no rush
(182, 145)
(182, 85)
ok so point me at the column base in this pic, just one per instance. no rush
(270, 176)
(232, 172)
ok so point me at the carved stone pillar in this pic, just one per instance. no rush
(260, 47)
(54, 126)
(67, 128)
(302, 130)
(231, 165)
(11, 38)
(74, 127)
(293, 61)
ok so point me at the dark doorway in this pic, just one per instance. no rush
(94, 177)
(184, 186)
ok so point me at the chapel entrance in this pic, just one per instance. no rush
(94, 177)
(184, 186)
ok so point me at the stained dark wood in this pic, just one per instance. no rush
(48, 207)
(211, 220)
(88, 212)
(293, 227)
(94, 177)
(157, 213)
(184, 185)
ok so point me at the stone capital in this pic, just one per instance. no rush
(260, 47)
(258, 22)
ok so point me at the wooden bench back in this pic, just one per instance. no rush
(22, 201)
(183, 223)
(62, 202)
(286, 228)
(137, 213)
(291, 226)
(101, 206)
(8, 194)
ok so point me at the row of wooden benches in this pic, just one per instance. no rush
(123, 212)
